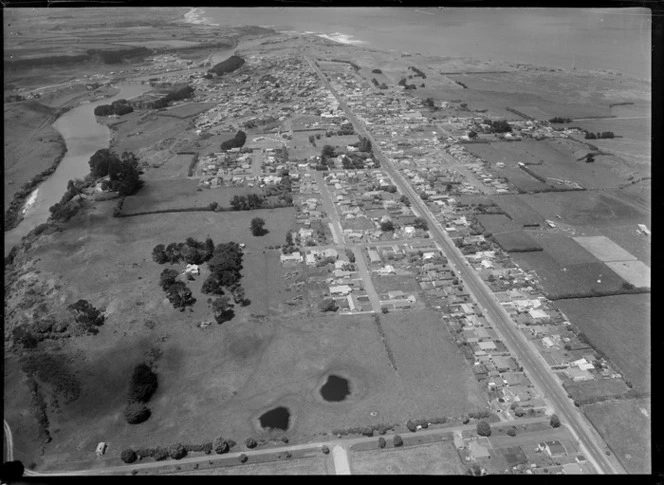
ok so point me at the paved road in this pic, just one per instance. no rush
(347, 444)
(328, 205)
(341, 465)
(366, 276)
(536, 368)
(9, 440)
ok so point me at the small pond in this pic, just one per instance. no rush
(277, 418)
(335, 389)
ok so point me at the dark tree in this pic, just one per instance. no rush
(387, 226)
(220, 445)
(328, 151)
(258, 226)
(136, 413)
(405, 200)
(555, 421)
(177, 451)
(398, 441)
(159, 254)
(483, 428)
(179, 295)
(167, 278)
(250, 443)
(24, 337)
(381, 442)
(128, 455)
(325, 449)
(411, 426)
(143, 384)
(421, 223)
(511, 432)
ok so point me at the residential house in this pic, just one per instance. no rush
(341, 290)
(295, 257)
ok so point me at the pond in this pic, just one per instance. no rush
(335, 389)
(277, 418)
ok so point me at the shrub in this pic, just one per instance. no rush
(519, 411)
(136, 413)
(483, 428)
(160, 454)
(177, 451)
(511, 432)
(411, 426)
(220, 445)
(328, 305)
(381, 442)
(398, 441)
(465, 420)
(243, 458)
(207, 448)
(325, 450)
(555, 421)
(128, 455)
(250, 443)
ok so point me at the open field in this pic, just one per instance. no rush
(598, 388)
(572, 280)
(518, 210)
(626, 427)
(604, 249)
(587, 208)
(383, 284)
(430, 365)
(619, 326)
(219, 379)
(153, 129)
(565, 250)
(187, 110)
(31, 143)
(178, 194)
(516, 241)
(434, 459)
(497, 223)
(319, 465)
(629, 236)
(636, 273)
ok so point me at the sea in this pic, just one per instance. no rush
(586, 39)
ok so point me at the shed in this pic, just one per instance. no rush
(488, 345)
(101, 448)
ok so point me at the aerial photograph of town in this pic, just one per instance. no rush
(327, 241)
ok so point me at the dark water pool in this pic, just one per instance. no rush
(277, 418)
(335, 389)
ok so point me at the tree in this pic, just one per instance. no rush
(325, 449)
(555, 421)
(328, 151)
(511, 432)
(328, 305)
(250, 443)
(177, 451)
(87, 316)
(289, 238)
(159, 254)
(405, 200)
(398, 441)
(387, 226)
(258, 226)
(220, 445)
(421, 223)
(167, 278)
(350, 255)
(243, 458)
(143, 384)
(411, 426)
(392, 189)
(381, 442)
(128, 455)
(179, 295)
(483, 428)
(24, 337)
(136, 413)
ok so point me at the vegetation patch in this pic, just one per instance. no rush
(516, 241)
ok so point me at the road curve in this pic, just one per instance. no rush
(592, 444)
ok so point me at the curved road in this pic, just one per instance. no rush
(536, 368)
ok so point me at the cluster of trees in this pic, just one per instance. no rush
(87, 316)
(123, 172)
(387, 226)
(392, 189)
(378, 85)
(402, 82)
(142, 387)
(177, 292)
(229, 65)
(119, 107)
(559, 119)
(461, 84)
(377, 71)
(429, 103)
(421, 223)
(327, 156)
(247, 202)
(225, 267)
(598, 135)
(117, 56)
(328, 305)
(483, 428)
(176, 95)
(236, 142)
(498, 126)
(191, 252)
(417, 72)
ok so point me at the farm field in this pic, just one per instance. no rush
(634, 272)
(565, 250)
(518, 210)
(604, 249)
(630, 238)
(626, 427)
(497, 223)
(154, 129)
(516, 241)
(186, 110)
(434, 459)
(300, 466)
(586, 208)
(619, 326)
(430, 365)
(569, 281)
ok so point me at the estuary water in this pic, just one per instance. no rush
(83, 137)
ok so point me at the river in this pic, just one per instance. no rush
(83, 137)
(612, 39)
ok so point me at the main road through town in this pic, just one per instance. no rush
(536, 368)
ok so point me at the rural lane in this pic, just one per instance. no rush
(592, 444)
